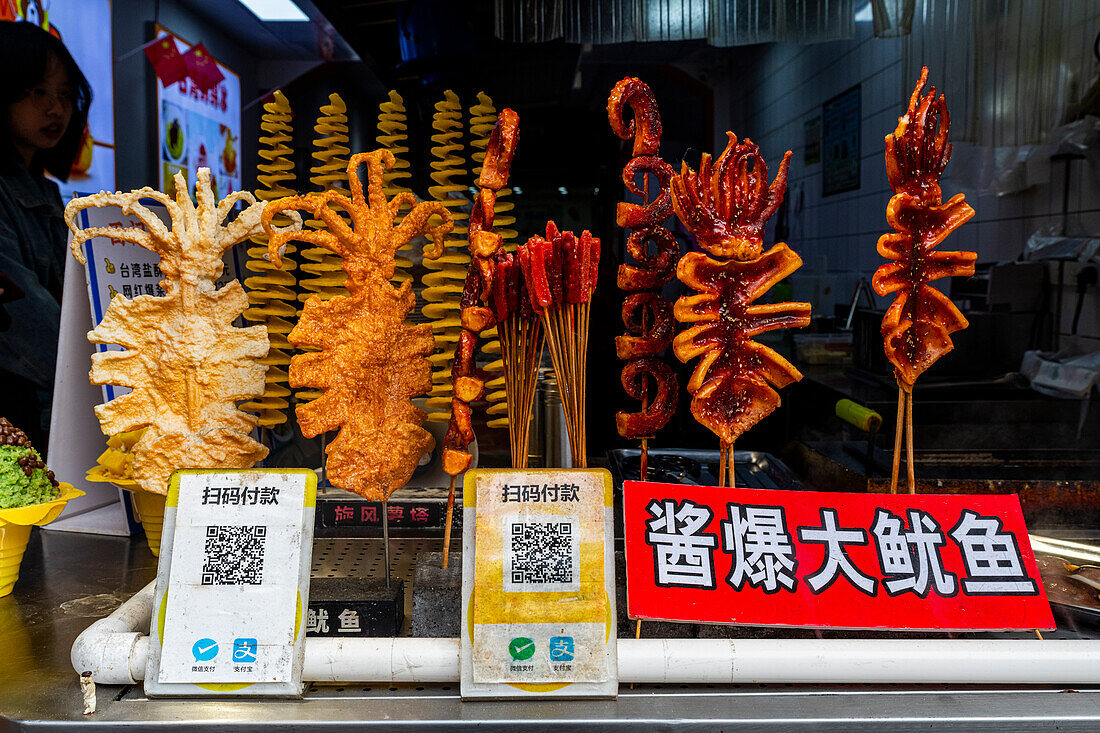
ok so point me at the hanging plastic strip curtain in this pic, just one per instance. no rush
(893, 18)
(719, 22)
(1013, 70)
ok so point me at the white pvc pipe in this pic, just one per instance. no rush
(115, 651)
(843, 661)
(381, 660)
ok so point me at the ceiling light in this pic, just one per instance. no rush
(275, 10)
(563, 190)
(517, 190)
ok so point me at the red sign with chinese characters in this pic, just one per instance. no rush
(858, 561)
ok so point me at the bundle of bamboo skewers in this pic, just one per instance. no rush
(560, 273)
(520, 333)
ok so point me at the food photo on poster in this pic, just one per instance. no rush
(462, 364)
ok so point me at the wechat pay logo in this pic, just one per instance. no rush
(204, 650)
(521, 648)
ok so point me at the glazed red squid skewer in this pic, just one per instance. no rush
(647, 316)
(726, 205)
(917, 327)
(469, 382)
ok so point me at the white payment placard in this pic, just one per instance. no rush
(233, 583)
(538, 584)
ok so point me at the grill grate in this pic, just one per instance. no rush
(365, 557)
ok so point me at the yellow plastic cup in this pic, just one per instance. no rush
(13, 543)
(15, 532)
(149, 508)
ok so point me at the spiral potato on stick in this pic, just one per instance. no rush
(271, 298)
(445, 277)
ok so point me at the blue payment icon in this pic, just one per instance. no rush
(204, 650)
(561, 648)
(244, 651)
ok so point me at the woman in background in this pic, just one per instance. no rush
(44, 100)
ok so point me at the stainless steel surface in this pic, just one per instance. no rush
(753, 469)
(536, 451)
(554, 448)
(69, 580)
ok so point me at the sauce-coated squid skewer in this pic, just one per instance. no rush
(647, 316)
(917, 327)
(726, 205)
(468, 382)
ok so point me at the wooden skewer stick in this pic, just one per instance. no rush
(573, 338)
(447, 522)
(570, 326)
(909, 441)
(722, 465)
(899, 429)
(386, 539)
(643, 457)
(582, 417)
(729, 465)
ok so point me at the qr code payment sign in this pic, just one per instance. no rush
(234, 555)
(541, 553)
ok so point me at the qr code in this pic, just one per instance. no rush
(541, 554)
(234, 555)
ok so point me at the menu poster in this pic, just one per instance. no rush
(840, 142)
(197, 129)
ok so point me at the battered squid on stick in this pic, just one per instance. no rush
(917, 327)
(726, 205)
(368, 363)
(476, 315)
(647, 316)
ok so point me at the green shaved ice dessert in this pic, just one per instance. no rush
(24, 479)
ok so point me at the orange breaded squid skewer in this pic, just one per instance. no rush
(917, 327)
(368, 362)
(726, 205)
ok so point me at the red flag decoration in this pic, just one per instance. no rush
(202, 68)
(168, 63)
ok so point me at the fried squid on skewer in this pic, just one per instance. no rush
(917, 327)
(468, 382)
(647, 316)
(725, 205)
(368, 362)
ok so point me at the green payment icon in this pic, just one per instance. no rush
(521, 648)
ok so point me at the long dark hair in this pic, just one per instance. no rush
(25, 53)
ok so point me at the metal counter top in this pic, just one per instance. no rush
(69, 580)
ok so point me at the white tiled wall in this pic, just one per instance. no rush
(785, 86)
